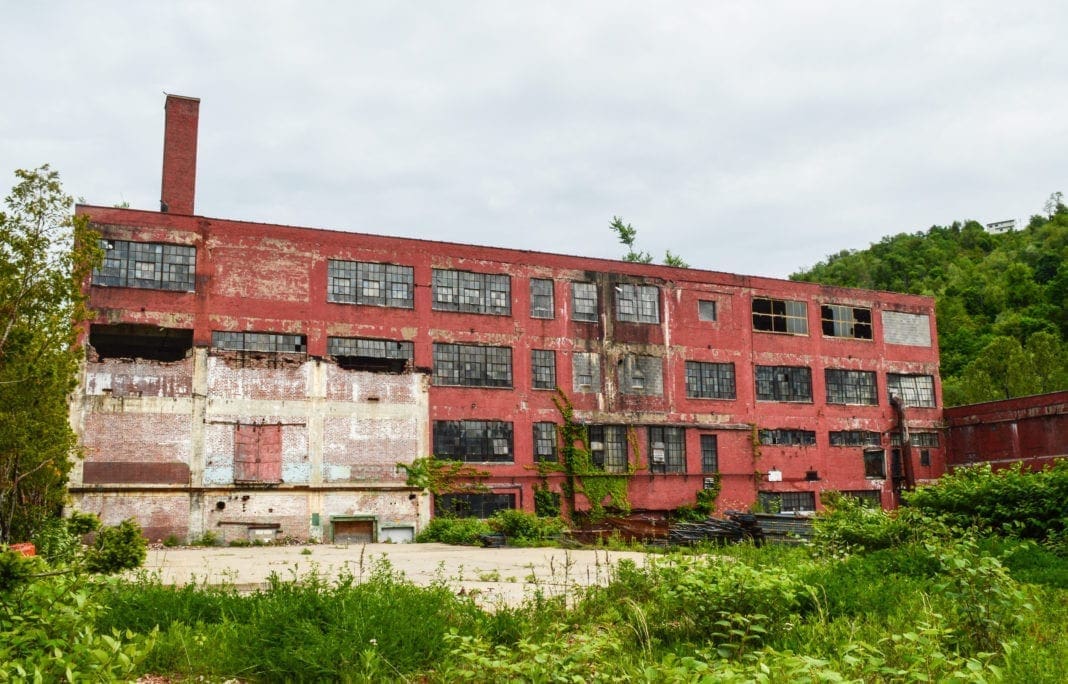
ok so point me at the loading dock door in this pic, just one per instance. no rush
(354, 531)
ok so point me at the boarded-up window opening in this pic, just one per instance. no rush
(132, 341)
(258, 454)
(640, 374)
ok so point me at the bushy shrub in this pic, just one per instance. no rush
(448, 530)
(1011, 501)
(117, 548)
(847, 525)
(523, 527)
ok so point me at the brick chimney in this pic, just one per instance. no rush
(179, 154)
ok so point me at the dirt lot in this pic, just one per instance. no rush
(493, 575)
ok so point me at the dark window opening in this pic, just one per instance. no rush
(787, 502)
(780, 315)
(869, 498)
(709, 454)
(477, 441)
(875, 464)
(543, 369)
(845, 321)
(133, 341)
(709, 380)
(375, 356)
(472, 505)
(855, 438)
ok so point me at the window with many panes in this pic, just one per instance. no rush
(274, 343)
(667, 450)
(924, 441)
(780, 315)
(875, 463)
(914, 390)
(709, 380)
(475, 441)
(586, 371)
(373, 284)
(541, 298)
(637, 303)
(787, 437)
(149, 265)
(369, 348)
(838, 320)
(472, 365)
(787, 502)
(850, 387)
(783, 383)
(543, 368)
(584, 302)
(641, 374)
(608, 447)
(854, 438)
(484, 293)
(544, 442)
(709, 454)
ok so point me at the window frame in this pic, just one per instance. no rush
(357, 274)
(472, 365)
(793, 502)
(370, 347)
(844, 322)
(709, 454)
(615, 456)
(787, 437)
(781, 316)
(542, 304)
(907, 394)
(874, 463)
(854, 438)
(543, 360)
(471, 292)
(541, 439)
(705, 380)
(673, 439)
(589, 293)
(703, 305)
(642, 300)
(173, 265)
(776, 384)
(258, 342)
(840, 380)
(450, 439)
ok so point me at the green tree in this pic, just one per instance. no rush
(47, 255)
(628, 234)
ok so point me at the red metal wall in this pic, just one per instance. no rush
(1032, 430)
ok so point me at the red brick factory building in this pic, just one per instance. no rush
(258, 381)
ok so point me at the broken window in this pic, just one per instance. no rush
(780, 315)
(258, 453)
(477, 441)
(361, 282)
(855, 438)
(851, 387)
(133, 341)
(784, 383)
(471, 365)
(273, 343)
(608, 447)
(483, 293)
(151, 265)
(709, 380)
(472, 505)
(709, 454)
(584, 302)
(667, 450)
(637, 303)
(925, 441)
(913, 390)
(361, 353)
(875, 464)
(640, 374)
(785, 437)
(586, 367)
(541, 298)
(706, 310)
(839, 320)
(787, 502)
(545, 442)
(543, 368)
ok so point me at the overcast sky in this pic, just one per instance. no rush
(749, 137)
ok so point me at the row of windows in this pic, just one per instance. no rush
(172, 267)
(470, 365)
(491, 441)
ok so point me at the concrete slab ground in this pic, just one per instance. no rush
(504, 575)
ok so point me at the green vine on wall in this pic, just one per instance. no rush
(581, 475)
(444, 476)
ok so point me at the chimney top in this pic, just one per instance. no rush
(178, 189)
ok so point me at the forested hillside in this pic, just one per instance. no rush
(1002, 299)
